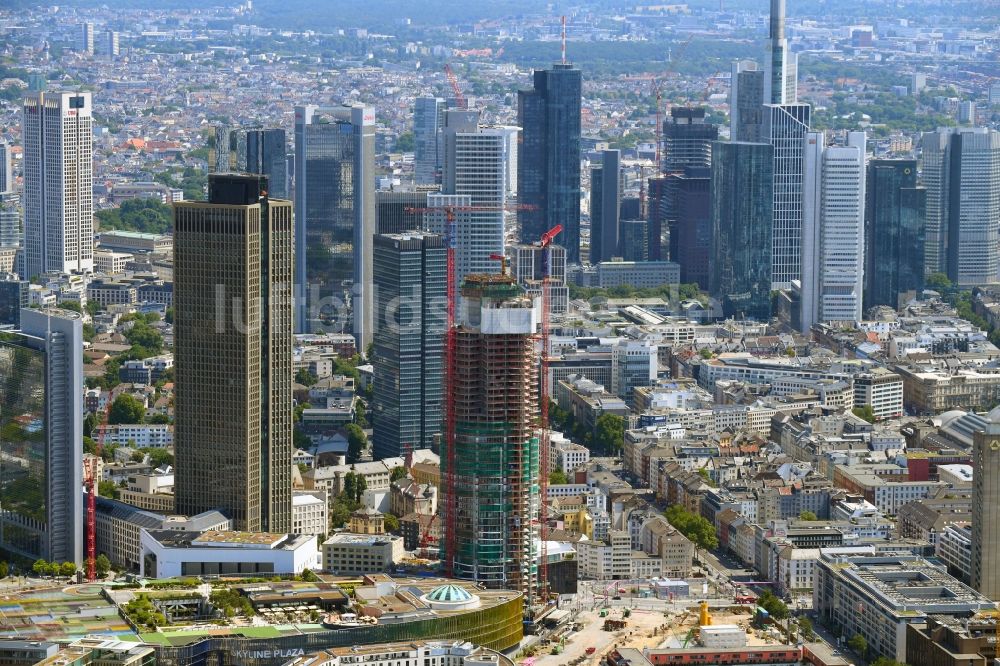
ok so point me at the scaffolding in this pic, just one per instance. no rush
(494, 463)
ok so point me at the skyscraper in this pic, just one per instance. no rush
(634, 234)
(785, 127)
(474, 175)
(490, 506)
(253, 150)
(687, 139)
(41, 433)
(781, 79)
(548, 166)
(896, 212)
(691, 236)
(111, 48)
(833, 230)
(6, 169)
(397, 211)
(13, 298)
(86, 44)
(233, 257)
(411, 311)
(335, 215)
(427, 126)
(742, 209)
(746, 101)
(605, 200)
(985, 574)
(656, 192)
(58, 183)
(961, 168)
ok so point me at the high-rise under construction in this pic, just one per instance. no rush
(491, 454)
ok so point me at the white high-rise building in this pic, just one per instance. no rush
(474, 176)
(511, 136)
(111, 48)
(785, 127)
(833, 229)
(58, 183)
(633, 363)
(87, 38)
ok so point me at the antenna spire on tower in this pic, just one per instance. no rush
(564, 39)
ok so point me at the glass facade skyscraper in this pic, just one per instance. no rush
(548, 166)
(785, 127)
(428, 114)
(605, 207)
(411, 310)
(895, 215)
(41, 436)
(252, 150)
(742, 209)
(334, 217)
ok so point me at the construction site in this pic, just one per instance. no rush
(592, 634)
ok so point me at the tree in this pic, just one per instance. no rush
(103, 565)
(806, 627)
(696, 528)
(886, 661)
(40, 567)
(858, 643)
(4, 569)
(808, 515)
(406, 142)
(107, 489)
(775, 607)
(557, 477)
(357, 442)
(90, 422)
(158, 457)
(610, 432)
(308, 576)
(126, 409)
(67, 569)
(939, 282)
(146, 338)
(360, 415)
(391, 523)
(397, 473)
(865, 413)
(304, 377)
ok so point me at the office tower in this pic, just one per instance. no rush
(691, 236)
(13, 297)
(411, 311)
(10, 224)
(397, 211)
(833, 241)
(41, 404)
(630, 209)
(252, 150)
(233, 257)
(58, 183)
(335, 209)
(687, 139)
(785, 128)
(473, 176)
(427, 126)
(87, 38)
(656, 191)
(781, 78)
(967, 113)
(548, 166)
(605, 198)
(511, 137)
(742, 209)
(746, 102)
(111, 48)
(896, 211)
(6, 168)
(985, 575)
(528, 266)
(633, 240)
(491, 497)
(961, 170)
(267, 155)
(633, 364)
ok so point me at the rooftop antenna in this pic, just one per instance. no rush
(564, 39)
